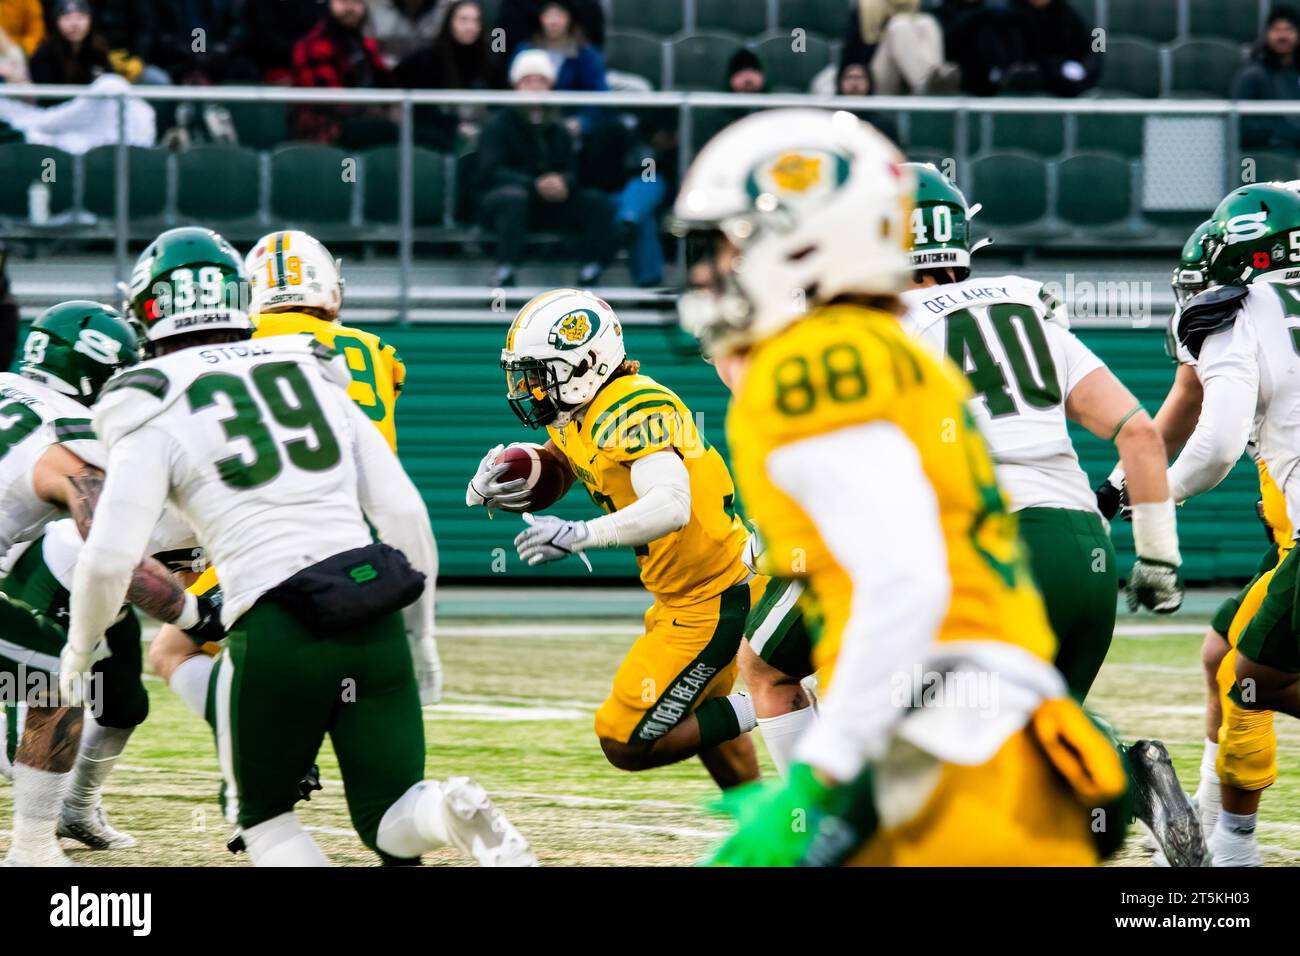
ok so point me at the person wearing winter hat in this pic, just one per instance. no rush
(74, 52)
(1272, 75)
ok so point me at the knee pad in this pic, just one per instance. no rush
(1247, 756)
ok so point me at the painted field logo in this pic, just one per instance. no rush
(77, 909)
(363, 573)
(574, 329)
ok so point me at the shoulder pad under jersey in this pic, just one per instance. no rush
(1208, 312)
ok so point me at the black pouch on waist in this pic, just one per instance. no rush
(350, 588)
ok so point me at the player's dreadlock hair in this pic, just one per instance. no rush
(626, 367)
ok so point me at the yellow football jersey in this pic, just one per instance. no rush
(844, 366)
(1275, 516)
(630, 418)
(377, 370)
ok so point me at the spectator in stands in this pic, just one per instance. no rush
(579, 66)
(336, 54)
(118, 21)
(853, 79)
(1059, 44)
(528, 173)
(458, 59)
(272, 29)
(982, 39)
(1272, 75)
(400, 27)
(24, 22)
(13, 61)
(74, 52)
(198, 42)
(518, 21)
(745, 72)
(902, 46)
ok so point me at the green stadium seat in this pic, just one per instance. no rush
(937, 131)
(218, 183)
(1012, 187)
(1224, 19)
(260, 125)
(638, 53)
(789, 70)
(147, 183)
(1093, 189)
(26, 163)
(1041, 133)
(1120, 133)
(381, 180)
(1205, 67)
(747, 17)
(1087, 9)
(1272, 167)
(699, 61)
(1131, 66)
(1178, 223)
(933, 157)
(308, 185)
(1155, 20)
(826, 17)
(662, 17)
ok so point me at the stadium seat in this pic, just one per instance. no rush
(1093, 189)
(789, 70)
(933, 157)
(218, 183)
(260, 125)
(662, 17)
(1041, 133)
(746, 18)
(937, 131)
(1131, 66)
(826, 17)
(1087, 9)
(1272, 167)
(706, 121)
(381, 180)
(147, 186)
(24, 164)
(1120, 133)
(1224, 19)
(1205, 67)
(308, 185)
(699, 61)
(638, 53)
(1155, 20)
(1012, 187)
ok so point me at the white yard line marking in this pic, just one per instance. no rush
(503, 699)
(596, 629)
(1139, 631)
(492, 713)
(662, 831)
(573, 800)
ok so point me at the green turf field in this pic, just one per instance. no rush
(517, 714)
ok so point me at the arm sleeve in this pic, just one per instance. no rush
(883, 529)
(135, 491)
(394, 506)
(1229, 373)
(662, 506)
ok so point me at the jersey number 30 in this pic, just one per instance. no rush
(317, 453)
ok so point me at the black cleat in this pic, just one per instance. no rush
(309, 782)
(1160, 803)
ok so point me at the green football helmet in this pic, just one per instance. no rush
(76, 347)
(941, 233)
(1255, 235)
(1192, 274)
(189, 279)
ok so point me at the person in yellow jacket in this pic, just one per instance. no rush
(24, 22)
(946, 736)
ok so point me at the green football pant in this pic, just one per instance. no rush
(1073, 563)
(277, 690)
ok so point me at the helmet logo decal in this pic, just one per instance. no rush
(1248, 226)
(99, 347)
(574, 329)
(799, 174)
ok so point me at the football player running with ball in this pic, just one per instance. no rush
(282, 478)
(635, 446)
(857, 457)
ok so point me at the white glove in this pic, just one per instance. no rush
(74, 671)
(754, 548)
(428, 668)
(548, 538)
(486, 488)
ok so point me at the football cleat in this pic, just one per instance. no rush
(92, 828)
(478, 828)
(1160, 803)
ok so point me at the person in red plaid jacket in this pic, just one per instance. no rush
(336, 54)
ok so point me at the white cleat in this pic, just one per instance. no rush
(479, 829)
(93, 829)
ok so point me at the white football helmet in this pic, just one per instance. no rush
(292, 270)
(816, 203)
(561, 348)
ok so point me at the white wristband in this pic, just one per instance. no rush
(189, 615)
(1155, 532)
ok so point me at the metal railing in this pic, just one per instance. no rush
(964, 111)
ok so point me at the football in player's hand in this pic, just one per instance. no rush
(547, 474)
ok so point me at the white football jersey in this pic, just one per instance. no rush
(33, 417)
(1012, 340)
(260, 453)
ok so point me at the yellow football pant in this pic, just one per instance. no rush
(686, 656)
(1247, 743)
